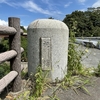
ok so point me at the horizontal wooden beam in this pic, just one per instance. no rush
(5, 30)
(7, 79)
(24, 34)
(21, 31)
(22, 50)
(8, 55)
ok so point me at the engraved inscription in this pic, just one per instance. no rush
(46, 53)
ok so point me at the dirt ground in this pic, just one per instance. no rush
(70, 94)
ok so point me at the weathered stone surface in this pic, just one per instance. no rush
(46, 53)
(58, 33)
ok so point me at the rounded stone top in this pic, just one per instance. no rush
(47, 23)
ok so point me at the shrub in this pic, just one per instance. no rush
(4, 69)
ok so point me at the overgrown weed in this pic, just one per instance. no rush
(40, 81)
(77, 75)
(97, 70)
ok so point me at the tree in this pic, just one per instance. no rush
(50, 18)
(25, 31)
(88, 23)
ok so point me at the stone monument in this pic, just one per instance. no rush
(48, 47)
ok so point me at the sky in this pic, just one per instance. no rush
(31, 10)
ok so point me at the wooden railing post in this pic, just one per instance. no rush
(15, 63)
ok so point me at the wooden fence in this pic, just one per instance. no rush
(14, 55)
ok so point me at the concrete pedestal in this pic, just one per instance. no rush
(48, 47)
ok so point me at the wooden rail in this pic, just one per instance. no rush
(8, 55)
(4, 30)
(14, 54)
(7, 79)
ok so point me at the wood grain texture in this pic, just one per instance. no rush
(8, 55)
(7, 79)
(15, 44)
(5, 30)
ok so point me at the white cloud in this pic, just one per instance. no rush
(12, 4)
(2, 22)
(68, 4)
(82, 1)
(32, 7)
(26, 27)
(2, 1)
(96, 4)
(83, 10)
(50, 5)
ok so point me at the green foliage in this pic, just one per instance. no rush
(50, 18)
(80, 83)
(74, 65)
(24, 74)
(4, 45)
(88, 23)
(23, 96)
(24, 45)
(75, 82)
(25, 31)
(97, 70)
(54, 97)
(74, 56)
(4, 69)
(40, 82)
(39, 79)
(77, 75)
(68, 81)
